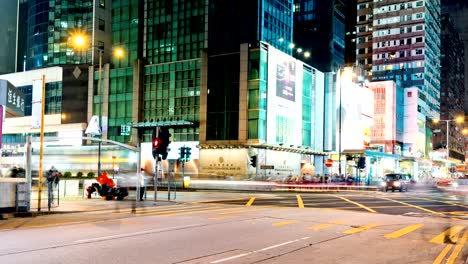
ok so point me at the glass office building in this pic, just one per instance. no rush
(48, 24)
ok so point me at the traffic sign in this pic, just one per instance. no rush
(267, 167)
(329, 163)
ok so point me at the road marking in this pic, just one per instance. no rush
(456, 251)
(404, 231)
(96, 239)
(355, 203)
(442, 254)
(284, 223)
(441, 201)
(327, 225)
(185, 213)
(250, 202)
(450, 234)
(463, 213)
(223, 217)
(300, 203)
(360, 229)
(259, 250)
(412, 205)
(162, 210)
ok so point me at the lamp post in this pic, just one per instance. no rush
(447, 122)
(339, 129)
(79, 41)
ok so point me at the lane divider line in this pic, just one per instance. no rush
(360, 229)
(450, 234)
(412, 205)
(357, 204)
(250, 202)
(326, 225)
(284, 223)
(458, 248)
(300, 203)
(404, 231)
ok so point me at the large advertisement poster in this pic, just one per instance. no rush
(286, 80)
(284, 99)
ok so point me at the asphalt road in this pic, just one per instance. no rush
(215, 231)
(417, 201)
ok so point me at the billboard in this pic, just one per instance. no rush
(284, 100)
(286, 79)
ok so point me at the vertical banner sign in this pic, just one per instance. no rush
(36, 104)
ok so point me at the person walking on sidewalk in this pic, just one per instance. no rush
(53, 178)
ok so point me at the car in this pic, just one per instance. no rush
(396, 181)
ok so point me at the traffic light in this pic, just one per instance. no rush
(156, 145)
(188, 152)
(361, 163)
(164, 135)
(253, 161)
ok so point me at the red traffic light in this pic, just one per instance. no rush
(156, 142)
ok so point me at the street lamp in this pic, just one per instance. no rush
(458, 120)
(79, 41)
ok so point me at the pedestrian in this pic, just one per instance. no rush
(53, 177)
(142, 184)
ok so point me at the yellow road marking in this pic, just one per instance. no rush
(360, 229)
(327, 225)
(451, 234)
(412, 205)
(284, 223)
(464, 213)
(404, 231)
(456, 251)
(300, 203)
(442, 254)
(433, 200)
(355, 203)
(172, 210)
(250, 202)
(223, 217)
(184, 213)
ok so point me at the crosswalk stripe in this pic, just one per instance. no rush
(326, 225)
(450, 234)
(250, 202)
(456, 251)
(284, 223)
(360, 229)
(404, 231)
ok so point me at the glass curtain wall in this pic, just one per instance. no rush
(124, 36)
(49, 23)
(175, 35)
